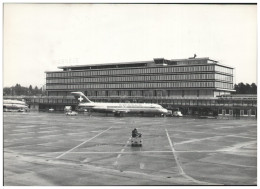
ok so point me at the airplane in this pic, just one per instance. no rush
(118, 109)
(14, 105)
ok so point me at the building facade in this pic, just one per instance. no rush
(180, 78)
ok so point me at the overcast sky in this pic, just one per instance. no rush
(41, 37)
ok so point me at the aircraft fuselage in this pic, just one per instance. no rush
(123, 108)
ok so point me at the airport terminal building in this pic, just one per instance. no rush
(176, 78)
(195, 86)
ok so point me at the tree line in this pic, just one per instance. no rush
(242, 88)
(19, 90)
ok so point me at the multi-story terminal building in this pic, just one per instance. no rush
(195, 86)
(184, 78)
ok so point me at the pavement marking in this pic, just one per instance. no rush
(83, 143)
(137, 152)
(121, 152)
(179, 165)
(174, 154)
(240, 136)
(232, 126)
(237, 146)
(229, 164)
(219, 136)
(142, 165)
(196, 140)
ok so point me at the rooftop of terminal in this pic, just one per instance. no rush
(154, 62)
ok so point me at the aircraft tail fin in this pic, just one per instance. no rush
(79, 96)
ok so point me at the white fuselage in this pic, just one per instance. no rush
(124, 107)
(14, 105)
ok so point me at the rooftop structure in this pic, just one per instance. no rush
(154, 63)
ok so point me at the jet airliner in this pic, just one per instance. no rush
(14, 105)
(118, 109)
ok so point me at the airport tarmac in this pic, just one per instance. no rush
(57, 150)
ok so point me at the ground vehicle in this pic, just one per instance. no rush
(177, 114)
(136, 139)
(67, 109)
(71, 113)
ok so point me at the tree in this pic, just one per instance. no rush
(18, 90)
(254, 88)
(242, 88)
(248, 89)
(7, 91)
(30, 90)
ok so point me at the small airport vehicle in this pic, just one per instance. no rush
(177, 114)
(136, 139)
(67, 109)
(51, 110)
(169, 113)
(72, 113)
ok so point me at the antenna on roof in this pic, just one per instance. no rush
(194, 56)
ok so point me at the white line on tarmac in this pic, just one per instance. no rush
(137, 152)
(83, 143)
(237, 146)
(175, 156)
(231, 126)
(121, 152)
(207, 138)
(179, 165)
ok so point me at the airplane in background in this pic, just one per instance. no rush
(118, 109)
(14, 105)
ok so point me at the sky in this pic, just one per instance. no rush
(41, 37)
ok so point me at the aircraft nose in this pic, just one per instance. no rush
(164, 110)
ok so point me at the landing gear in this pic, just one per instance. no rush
(142, 114)
(119, 114)
(163, 115)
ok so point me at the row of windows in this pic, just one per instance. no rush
(141, 78)
(224, 77)
(168, 69)
(223, 69)
(149, 93)
(224, 85)
(143, 85)
(185, 62)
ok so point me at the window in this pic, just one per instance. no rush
(249, 112)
